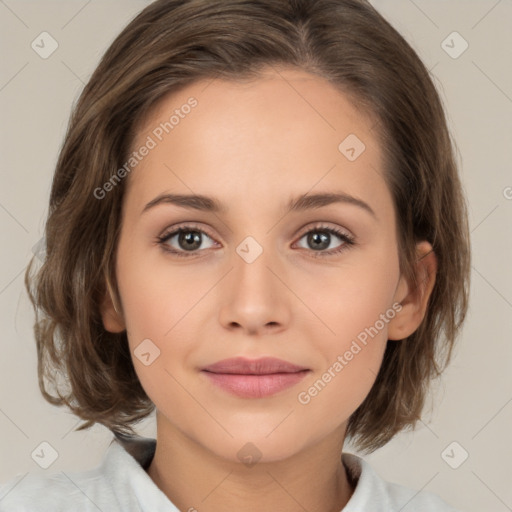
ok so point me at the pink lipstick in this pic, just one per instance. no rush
(254, 378)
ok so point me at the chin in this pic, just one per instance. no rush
(250, 447)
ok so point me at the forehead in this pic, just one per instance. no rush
(286, 130)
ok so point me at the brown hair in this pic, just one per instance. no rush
(173, 43)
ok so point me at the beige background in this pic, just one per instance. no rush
(473, 403)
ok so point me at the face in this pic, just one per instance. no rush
(315, 286)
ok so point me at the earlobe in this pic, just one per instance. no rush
(414, 299)
(110, 313)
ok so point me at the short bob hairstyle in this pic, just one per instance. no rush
(171, 44)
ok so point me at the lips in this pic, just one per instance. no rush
(254, 378)
(263, 366)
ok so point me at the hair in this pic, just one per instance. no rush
(174, 43)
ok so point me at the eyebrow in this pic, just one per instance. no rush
(301, 203)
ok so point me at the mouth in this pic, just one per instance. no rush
(256, 378)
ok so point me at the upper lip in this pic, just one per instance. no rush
(262, 366)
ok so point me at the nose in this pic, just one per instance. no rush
(254, 297)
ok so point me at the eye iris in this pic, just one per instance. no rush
(189, 240)
(321, 240)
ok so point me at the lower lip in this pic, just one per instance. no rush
(255, 386)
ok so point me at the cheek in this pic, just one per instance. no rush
(355, 306)
(155, 305)
(157, 295)
(350, 301)
(338, 388)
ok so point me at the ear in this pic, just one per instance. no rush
(113, 320)
(414, 300)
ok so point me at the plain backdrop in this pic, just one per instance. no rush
(462, 449)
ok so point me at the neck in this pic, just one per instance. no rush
(313, 479)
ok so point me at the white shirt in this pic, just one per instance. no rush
(120, 484)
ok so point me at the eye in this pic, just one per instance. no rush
(320, 238)
(189, 239)
(186, 241)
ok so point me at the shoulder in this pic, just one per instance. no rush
(374, 493)
(112, 486)
(119, 484)
(60, 492)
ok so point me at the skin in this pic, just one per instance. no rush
(253, 147)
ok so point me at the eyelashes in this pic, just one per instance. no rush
(191, 236)
(188, 229)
